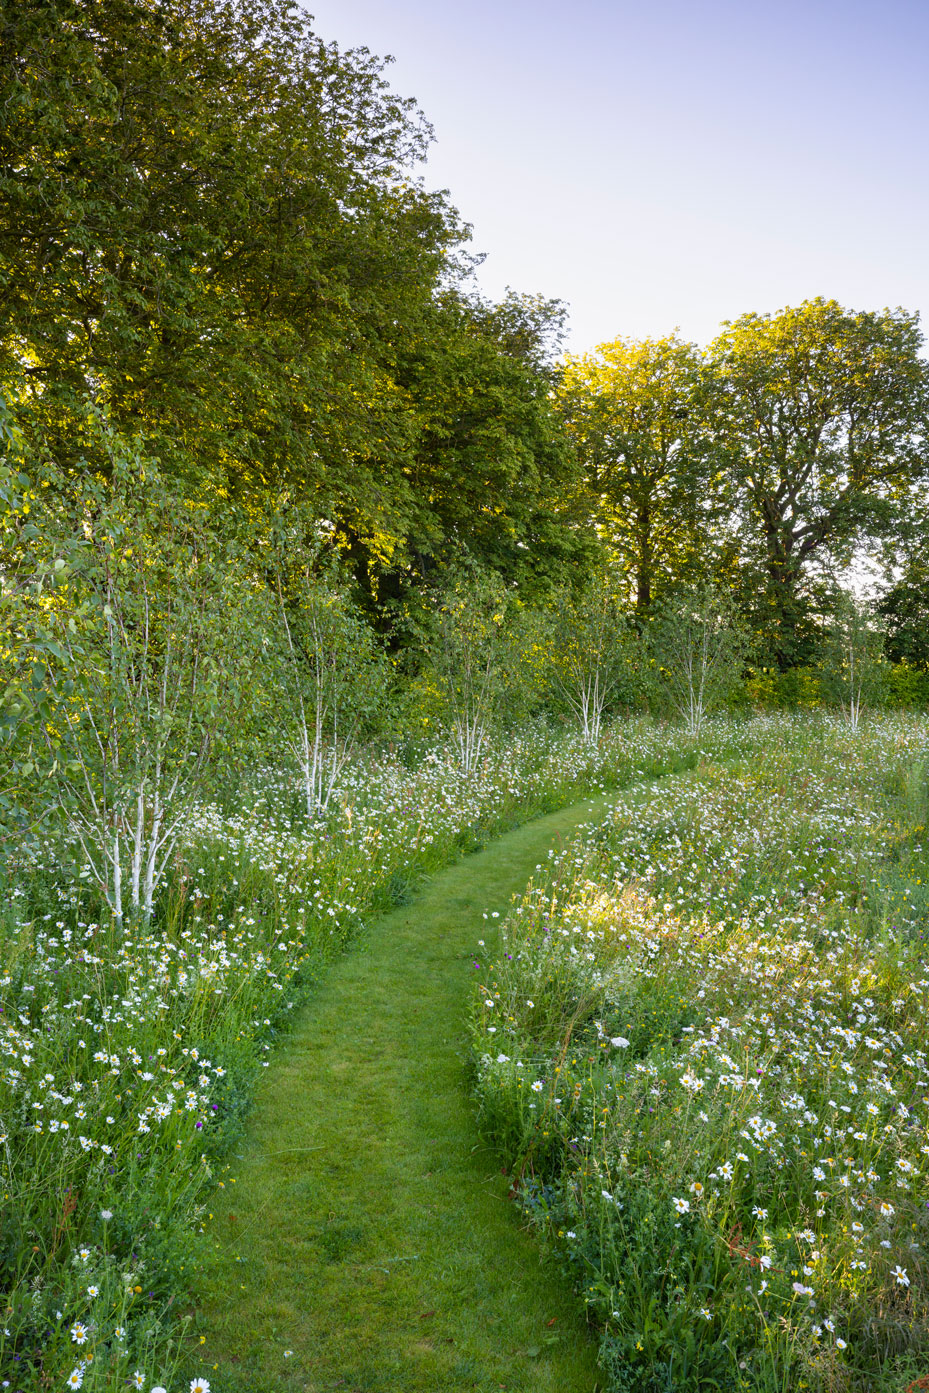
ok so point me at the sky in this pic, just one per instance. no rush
(671, 164)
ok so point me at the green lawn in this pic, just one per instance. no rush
(368, 1229)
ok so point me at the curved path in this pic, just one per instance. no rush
(368, 1231)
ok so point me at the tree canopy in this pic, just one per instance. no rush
(214, 237)
(210, 227)
(638, 413)
(822, 414)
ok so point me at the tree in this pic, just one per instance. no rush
(854, 667)
(333, 675)
(591, 640)
(153, 628)
(469, 649)
(208, 224)
(903, 607)
(822, 413)
(637, 413)
(698, 647)
(489, 479)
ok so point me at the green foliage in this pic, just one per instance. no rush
(470, 659)
(821, 413)
(333, 676)
(638, 415)
(854, 668)
(36, 567)
(241, 236)
(253, 281)
(151, 633)
(489, 479)
(592, 651)
(907, 686)
(796, 688)
(698, 648)
(904, 604)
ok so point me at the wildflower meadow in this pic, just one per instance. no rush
(703, 1055)
(130, 1049)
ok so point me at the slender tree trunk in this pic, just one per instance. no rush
(644, 560)
(117, 878)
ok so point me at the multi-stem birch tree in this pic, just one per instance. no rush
(151, 625)
(471, 659)
(698, 650)
(591, 650)
(854, 667)
(333, 674)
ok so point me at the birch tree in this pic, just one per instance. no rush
(334, 678)
(591, 649)
(698, 650)
(854, 667)
(470, 649)
(152, 626)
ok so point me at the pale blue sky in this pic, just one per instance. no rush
(669, 163)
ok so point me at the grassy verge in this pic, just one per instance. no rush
(704, 1052)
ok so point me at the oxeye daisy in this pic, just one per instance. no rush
(79, 1332)
(76, 1377)
(199, 1385)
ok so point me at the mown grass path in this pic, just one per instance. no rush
(369, 1230)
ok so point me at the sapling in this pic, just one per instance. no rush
(151, 625)
(332, 672)
(591, 652)
(471, 659)
(854, 667)
(698, 648)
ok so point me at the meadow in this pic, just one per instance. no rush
(130, 1052)
(702, 1051)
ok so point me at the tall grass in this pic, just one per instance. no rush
(129, 1053)
(703, 1052)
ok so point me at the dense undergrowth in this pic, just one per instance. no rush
(129, 1053)
(703, 1053)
